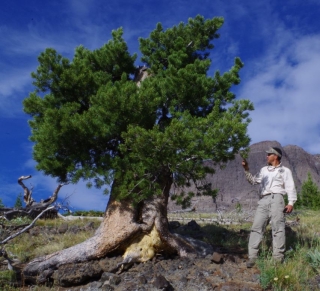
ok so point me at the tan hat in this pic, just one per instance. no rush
(275, 151)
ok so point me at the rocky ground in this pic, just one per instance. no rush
(218, 269)
(214, 272)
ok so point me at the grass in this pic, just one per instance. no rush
(298, 272)
(26, 247)
(302, 263)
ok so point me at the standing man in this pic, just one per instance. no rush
(275, 181)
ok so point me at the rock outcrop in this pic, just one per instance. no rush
(233, 187)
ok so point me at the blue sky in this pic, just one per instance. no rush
(278, 41)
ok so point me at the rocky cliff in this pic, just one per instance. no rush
(234, 188)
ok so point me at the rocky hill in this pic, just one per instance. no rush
(234, 188)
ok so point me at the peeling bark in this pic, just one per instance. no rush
(137, 233)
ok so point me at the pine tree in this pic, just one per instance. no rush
(91, 121)
(18, 203)
(1, 204)
(309, 195)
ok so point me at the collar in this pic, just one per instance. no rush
(272, 168)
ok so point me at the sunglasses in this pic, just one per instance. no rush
(269, 154)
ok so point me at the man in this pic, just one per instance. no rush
(275, 181)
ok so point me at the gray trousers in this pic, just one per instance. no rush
(270, 207)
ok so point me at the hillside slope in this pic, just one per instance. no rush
(234, 188)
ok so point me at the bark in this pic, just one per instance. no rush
(137, 233)
(140, 75)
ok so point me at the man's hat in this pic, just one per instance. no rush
(275, 151)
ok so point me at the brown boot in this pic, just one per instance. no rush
(251, 262)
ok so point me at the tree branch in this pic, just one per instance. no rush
(27, 194)
(27, 227)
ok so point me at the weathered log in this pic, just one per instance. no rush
(33, 208)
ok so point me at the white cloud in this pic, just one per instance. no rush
(19, 51)
(286, 95)
(13, 86)
(81, 8)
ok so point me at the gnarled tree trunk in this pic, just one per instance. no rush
(135, 233)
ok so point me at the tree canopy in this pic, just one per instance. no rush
(91, 121)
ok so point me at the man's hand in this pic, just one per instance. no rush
(245, 165)
(288, 209)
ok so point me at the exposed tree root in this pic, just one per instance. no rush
(137, 238)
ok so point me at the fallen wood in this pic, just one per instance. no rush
(32, 208)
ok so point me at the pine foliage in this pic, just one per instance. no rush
(91, 121)
(18, 202)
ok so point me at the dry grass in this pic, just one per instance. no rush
(26, 246)
(296, 273)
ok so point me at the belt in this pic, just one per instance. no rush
(270, 194)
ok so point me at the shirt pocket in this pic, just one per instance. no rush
(278, 178)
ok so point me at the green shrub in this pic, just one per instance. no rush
(313, 258)
(92, 213)
(309, 197)
(18, 203)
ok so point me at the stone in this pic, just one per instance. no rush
(94, 286)
(187, 274)
(174, 224)
(89, 226)
(107, 287)
(162, 283)
(141, 280)
(203, 249)
(74, 229)
(63, 228)
(77, 274)
(110, 278)
(193, 225)
(110, 264)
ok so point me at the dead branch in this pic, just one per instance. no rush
(27, 194)
(140, 75)
(3, 252)
(32, 208)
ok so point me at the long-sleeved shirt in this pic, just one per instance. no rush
(274, 180)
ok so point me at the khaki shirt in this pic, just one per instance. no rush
(274, 180)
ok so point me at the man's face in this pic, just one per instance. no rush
(271, 158)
